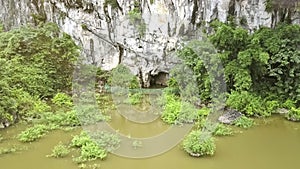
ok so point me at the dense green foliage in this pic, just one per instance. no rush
(262, 69)
(94, 145)
(134, 98)
(89, 150)
(35, 63)
(177, 111)
(122, 77)
(293, 114)
(222, 130)
(198, 144)
(62, 100)
(264, 62)
(33, 133)
(244, 122)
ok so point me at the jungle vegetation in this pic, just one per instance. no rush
(261, 72)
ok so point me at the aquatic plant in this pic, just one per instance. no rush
(94, 145)
(90, 151)
(199, 144)
(33, 133)
(62, 119)
(59, 151)
(293, 114)
(222, 130)
(134, 98)
(107, 140)
(12, 149)
(244, 122)
(137, 144)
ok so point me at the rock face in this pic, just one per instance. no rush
(230, 116)
(142, 34)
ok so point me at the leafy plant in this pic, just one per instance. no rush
(122, 77)
(171, 109)
(60, 151)
(89, 166)
(135, 98)
(244, 122)
(62, 99)
(89, 149)
(289, 104)
(106, 140)
(222, 130)
(135, 18)
(137, 144)
(80, 140)
(33, 133)
(35, 63)
(293, 114)
(249, 103)
(90, 114)
(11, 149)
(198, 144)
(61, 119)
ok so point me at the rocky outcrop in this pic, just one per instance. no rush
(230, 116)
(142, 34)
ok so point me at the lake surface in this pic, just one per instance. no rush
(273, 143)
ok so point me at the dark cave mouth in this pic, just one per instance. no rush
(159, 80)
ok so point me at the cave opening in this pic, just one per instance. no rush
(159, 80)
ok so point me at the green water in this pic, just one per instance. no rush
(272, 144)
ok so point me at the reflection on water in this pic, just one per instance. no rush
(274, 144)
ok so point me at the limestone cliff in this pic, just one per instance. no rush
(143, 34)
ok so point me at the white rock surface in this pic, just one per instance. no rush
(108, 38)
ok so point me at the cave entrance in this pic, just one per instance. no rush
(159, 80)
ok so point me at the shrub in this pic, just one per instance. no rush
(89, 149)
(106, 140)
(40, 106)
(289, 104)
(94, 145)
(293, 114)
(250, 104)
(40, 59)
(188, 113)
(89, 152)
(62, 99)
(271, 106)
(176, 111)
(244, 122)
(33, 133)
(60, 151)
(222, 130)
(61, 119)
(121, 76)
(90, 114)
(135, 98)
(171, 109)
(199, 144)
(80, 140)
